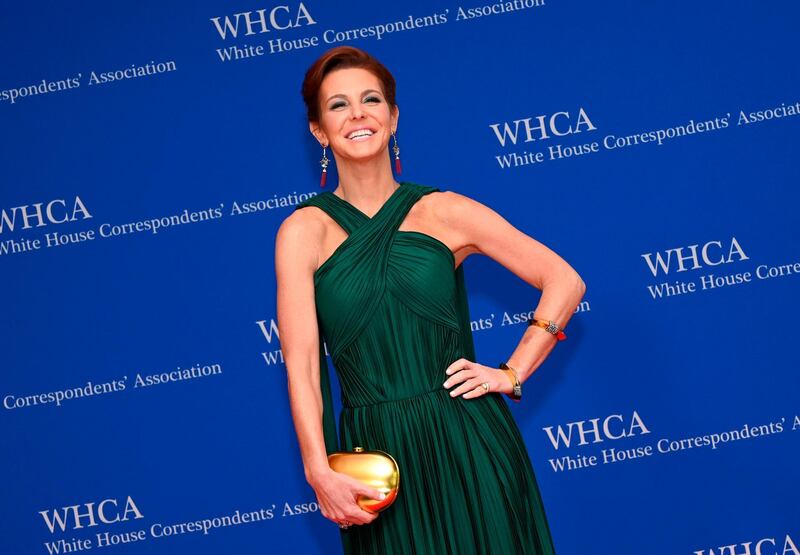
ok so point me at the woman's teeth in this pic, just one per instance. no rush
(360, 135)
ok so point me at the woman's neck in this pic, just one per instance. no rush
(366, 186)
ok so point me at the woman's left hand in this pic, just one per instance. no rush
(470, 375)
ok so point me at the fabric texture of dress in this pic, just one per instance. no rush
(393, 312)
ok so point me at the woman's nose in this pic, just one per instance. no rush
(356, 111)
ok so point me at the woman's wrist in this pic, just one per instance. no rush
(514, 387)
(508, 384)
(316, 471)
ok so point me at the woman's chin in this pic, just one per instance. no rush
(363, 153)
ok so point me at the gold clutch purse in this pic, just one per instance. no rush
(374, 468)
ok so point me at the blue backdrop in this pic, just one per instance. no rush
(150, 150)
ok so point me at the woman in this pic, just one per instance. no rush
(373, 269)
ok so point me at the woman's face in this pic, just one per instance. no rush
(351, 99)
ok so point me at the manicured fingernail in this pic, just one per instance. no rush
(445, 384)
(452, 393)
(382, 496)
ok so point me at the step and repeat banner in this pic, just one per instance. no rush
(150, 150)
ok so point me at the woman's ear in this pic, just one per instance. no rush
(395, 116)
(313, 126)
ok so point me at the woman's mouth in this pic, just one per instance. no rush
(360, 135)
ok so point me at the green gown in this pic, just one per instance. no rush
(393, 312)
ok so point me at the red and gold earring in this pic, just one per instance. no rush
(324, 162)
(396, 150)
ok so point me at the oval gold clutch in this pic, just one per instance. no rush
(374, 468)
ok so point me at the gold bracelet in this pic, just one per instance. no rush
(516, 393)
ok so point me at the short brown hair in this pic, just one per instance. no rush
(341, 57)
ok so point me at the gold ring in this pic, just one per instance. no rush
(485, 386)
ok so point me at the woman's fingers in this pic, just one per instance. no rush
(357, 514)
(466, 387)
(337, 500)
(459, 377)
(373, 493)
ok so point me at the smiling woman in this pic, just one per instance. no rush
(373, 269)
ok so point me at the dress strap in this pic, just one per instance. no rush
(339, 213)
(396, 214)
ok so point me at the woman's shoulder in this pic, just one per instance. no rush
(446, 201)
(302, 227)
(311, 217)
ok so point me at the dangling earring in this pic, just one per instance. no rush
(396, 150)
(324, 162)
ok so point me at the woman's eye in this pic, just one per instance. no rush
(373, 99)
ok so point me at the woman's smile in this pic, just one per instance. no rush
(360, 134)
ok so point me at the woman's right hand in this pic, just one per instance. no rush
(337, 493)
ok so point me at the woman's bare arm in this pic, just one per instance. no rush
(479, 229)
(296, 259)
(295, 263)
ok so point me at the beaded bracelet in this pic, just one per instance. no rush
(550, 327)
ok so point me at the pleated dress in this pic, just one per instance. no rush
(392, 310)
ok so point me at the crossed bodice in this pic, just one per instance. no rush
(387, 301)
